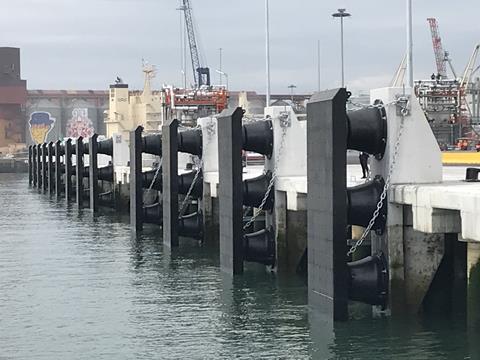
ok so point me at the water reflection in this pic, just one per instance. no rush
(83, 286)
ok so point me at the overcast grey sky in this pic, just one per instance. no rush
(85, 44)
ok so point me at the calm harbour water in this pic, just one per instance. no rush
(74, 286)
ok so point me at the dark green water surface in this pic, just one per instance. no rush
(74, 286)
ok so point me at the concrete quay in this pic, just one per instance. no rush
(303, 210)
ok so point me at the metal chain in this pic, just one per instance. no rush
(156, 175)
(272, 181)
(380, 204)
(183, 206)
(366, 106)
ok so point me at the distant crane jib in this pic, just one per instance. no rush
(438, 48)
(200, 73)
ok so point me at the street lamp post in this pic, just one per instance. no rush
(267, 52)
(409, 44)
(341, 14)
(220, 64)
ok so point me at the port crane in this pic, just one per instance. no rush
(201, 73)
(441, 56)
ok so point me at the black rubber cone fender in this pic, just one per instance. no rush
(368, 280)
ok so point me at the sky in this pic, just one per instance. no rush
(85, 44)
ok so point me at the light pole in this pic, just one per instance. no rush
(318, 65)
(183, 44)
(267, 51)
(291, 87)
(220, 65)
(341, 14)
(223, 74)
(409, 44)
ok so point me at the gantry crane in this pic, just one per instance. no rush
(201, 74)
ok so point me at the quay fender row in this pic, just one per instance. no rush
(51, 169)
(167, 145)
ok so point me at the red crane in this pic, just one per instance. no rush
(438, 48)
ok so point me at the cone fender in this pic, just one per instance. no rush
(153, 214)
(254, 190)
(362, 202)
(258, 137)
(106, 147)
(147, 178)
(368, 280)
(190, 141)
(191, 226)
(106, 173)
(185, 181)
(152, 144)
(367, 131)
(259, 247)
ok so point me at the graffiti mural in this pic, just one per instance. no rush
(40, 123)
(80, 124)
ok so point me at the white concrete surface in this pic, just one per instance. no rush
(449, 207)
(419, 158)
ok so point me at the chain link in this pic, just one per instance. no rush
(404, 111)
(183, 206)
(154, 179)
(274, 175)
(366, 106)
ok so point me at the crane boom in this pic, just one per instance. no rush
(201, 74)
(469, 69)
(438, 48)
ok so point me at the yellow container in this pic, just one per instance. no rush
(461, 158)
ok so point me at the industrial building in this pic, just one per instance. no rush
(13, 96)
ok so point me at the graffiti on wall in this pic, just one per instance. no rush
(40, 123)
(80, 124)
